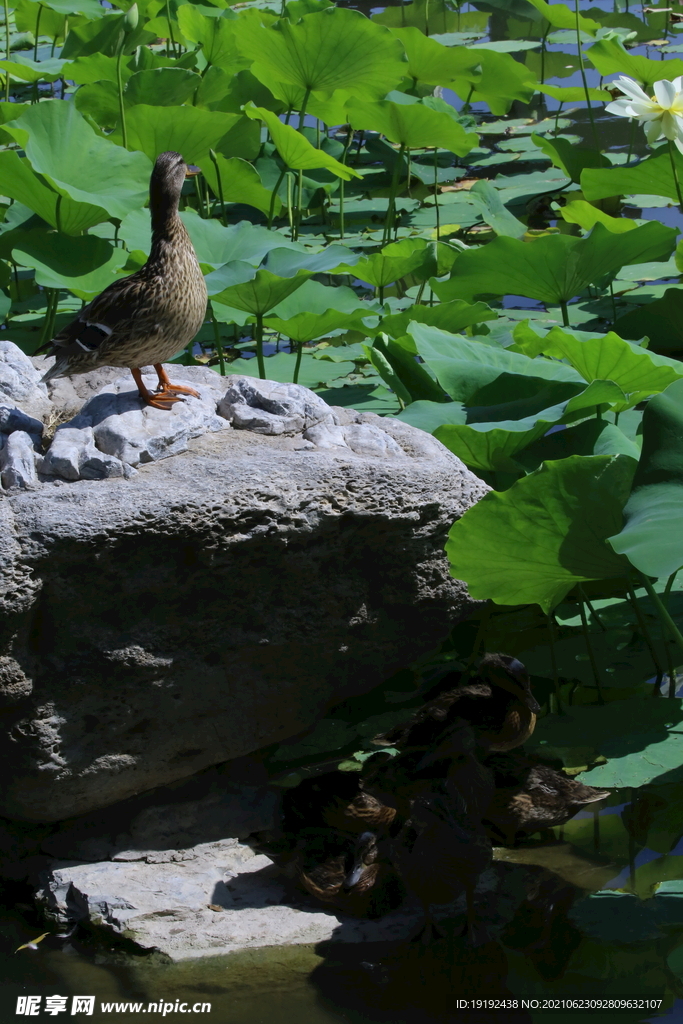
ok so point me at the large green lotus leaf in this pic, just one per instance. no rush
(262, 292)
(652, 538)
(26, 70)
(90, 9)
(397, 366)
(428, 416)
(491, 446)
(100, 103)
(610, 57)
(432, 62)
(578, 211)
(624, 919)
(328, 107)
(658, 821)
(295, 150)
(187, 130)
(161, 87)
(642, 740)
(62, 146)
(314, 297)
(560, 16)
(85, 265)
(216, 37)
(569, 158)
(332, 49)
(462, 367)
(652, 177)
(52, 23)
(592, 437)
(552, 268)
(395, 261)
(532, 543)
(307, 326)
(280, 367)
(286, 261)
(447, 316)
(103, 36)
(574, 93)
(96, 68)
(239, 182)
(494, 211)
(501, 80)
(661, 321)
(412, 125)
(20, 182)
(216, 244)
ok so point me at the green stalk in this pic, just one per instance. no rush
(436, 194)
(119, 80)
(583, 75)
(220, 188)
(170, 29)
(675, 174)
(35, 46)
(273, 198)
(662, 612)
(349, 138)
(300, 187)
(557, 118)
(670, 583)
(589, 648)
(632, 844)
(297, 365)
(6, 49)
(659, 671)
(290, 215)
(392, 196)
(58, 212)
(217, 341)
(259, 346)
(553, 661)
(565, 313)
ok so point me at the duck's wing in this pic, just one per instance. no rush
(106, 321)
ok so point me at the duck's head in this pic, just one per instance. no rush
(364, 854)
(507, 673)
(166, 183)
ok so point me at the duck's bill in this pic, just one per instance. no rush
(192, 171)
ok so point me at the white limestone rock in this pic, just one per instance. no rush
(18, 461)
(20, 382)
(269, 407)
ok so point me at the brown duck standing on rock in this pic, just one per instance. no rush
(149, 316)
(497, 702)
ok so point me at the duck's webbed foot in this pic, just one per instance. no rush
(165, 385)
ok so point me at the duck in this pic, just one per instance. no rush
(150, 315)
(450, 762)
(349, 872)
(439, 854)
(497, 703)
(335, 800)
(531, 796)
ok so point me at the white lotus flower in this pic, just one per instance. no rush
(660, 115)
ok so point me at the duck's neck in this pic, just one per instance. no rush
(166, 224)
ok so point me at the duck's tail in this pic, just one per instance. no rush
(60, 368)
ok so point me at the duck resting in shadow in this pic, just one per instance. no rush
(439, 854)
(497, 702)
(531, 796)
(335, 800)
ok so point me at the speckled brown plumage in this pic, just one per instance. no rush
(149, 316)
(337, 801)
(497, 703)
(531, 796)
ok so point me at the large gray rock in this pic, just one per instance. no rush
(18, 461)
(20, 382)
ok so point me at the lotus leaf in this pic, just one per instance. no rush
(19, 181)
(260, 294)
(398, 367)
(501, 80)
(494, 211)
(104, 175)
(296, 152)
(328, 50)
(578, 211)
(429, 61)
(25, 70)
(162, 87)
(217, 37)
(652, 176)
(104, 36)
(412, 125)
(661, 321)
(430, 415)
(609, 56)
(447, 316)
(317, 298)
(239, 182)
(186, 130)
(534, 542)
(592, 437)
(651, 537)
(96, 68)
(305, 326)
(395, 261)
(217, 245)
(281, 367)
(568, 158)
(552, 268)
(85, 265)
(574, 93)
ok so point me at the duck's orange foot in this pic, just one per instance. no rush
(180, 389)
(161, 399)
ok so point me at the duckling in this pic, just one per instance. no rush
(440, 853)
(335, 800)
(149, 316)
(497, 702)
(531, 796)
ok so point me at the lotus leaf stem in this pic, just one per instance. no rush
(259, 346)
(664, 618)
(436, 193)
(565, 313)
(670, 583)
(553, 661)
(582, 68)
(58, 211)
(273, 198)
(645, 632)
(675, 174)
(632, 842)
(297, 365)
(392, 196)
(119, 81)
(217, 341)
(214, 161)
(349, 139)
(170, 28)
(35, 44)
(7, 50)
(589, 647)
